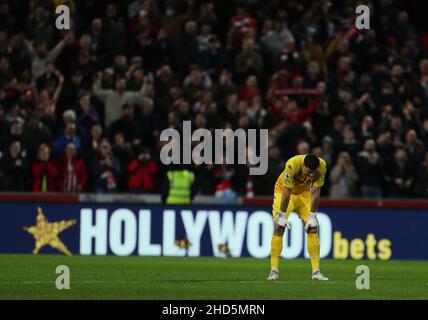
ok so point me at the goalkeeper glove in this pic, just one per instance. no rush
(312, 221)
(282, 221)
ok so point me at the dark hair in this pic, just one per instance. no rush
(311, 161)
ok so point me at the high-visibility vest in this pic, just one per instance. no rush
(180, 186)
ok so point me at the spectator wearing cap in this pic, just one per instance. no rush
(115, 99)
(14, 169)
(73, 175)
(45, 171)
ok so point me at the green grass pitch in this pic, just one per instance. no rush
(110, 277)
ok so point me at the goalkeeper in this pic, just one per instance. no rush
(298, 189)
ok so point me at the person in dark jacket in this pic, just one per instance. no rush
(371, 171)
(106, 170)
(15, 170)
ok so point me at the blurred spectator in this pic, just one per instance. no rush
(122, 151)
(401, 175)
(343, 177)
(214, 59)
(106, 169)
(69, 136)
(421, 183)
(126, 125)
(40, 56)
(370, 170)
(88, 116)
(224, 177)
(35, 133)
(73, 175)
(14, 169)
(250, 90)
(414, 146)
(142, 173)
(115, 99)
(264, 184)
(45, 171)
(249, 61)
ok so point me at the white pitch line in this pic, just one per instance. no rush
(187, 281)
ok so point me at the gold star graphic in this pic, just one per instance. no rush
(46, 233)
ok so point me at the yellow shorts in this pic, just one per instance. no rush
(299, 203)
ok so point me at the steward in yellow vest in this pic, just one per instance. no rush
(179, 186)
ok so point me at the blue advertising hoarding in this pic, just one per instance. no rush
(152, 230)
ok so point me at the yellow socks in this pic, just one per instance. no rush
(275, 251)
(314, 250)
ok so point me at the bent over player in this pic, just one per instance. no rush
(298, 189)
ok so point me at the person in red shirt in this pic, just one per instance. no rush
(73, 175)
(45, 171)
(250, 90)
(142, 173)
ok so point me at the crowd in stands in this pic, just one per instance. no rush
(81, 110)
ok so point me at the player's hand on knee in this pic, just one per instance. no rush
(281, 220)
(312, 221)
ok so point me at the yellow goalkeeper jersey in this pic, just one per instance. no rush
(294, 177)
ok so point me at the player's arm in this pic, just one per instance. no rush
(280, 217)
(285, 199)
(315, 198)
(311, 225)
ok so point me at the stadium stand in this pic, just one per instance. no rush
(82, 110)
